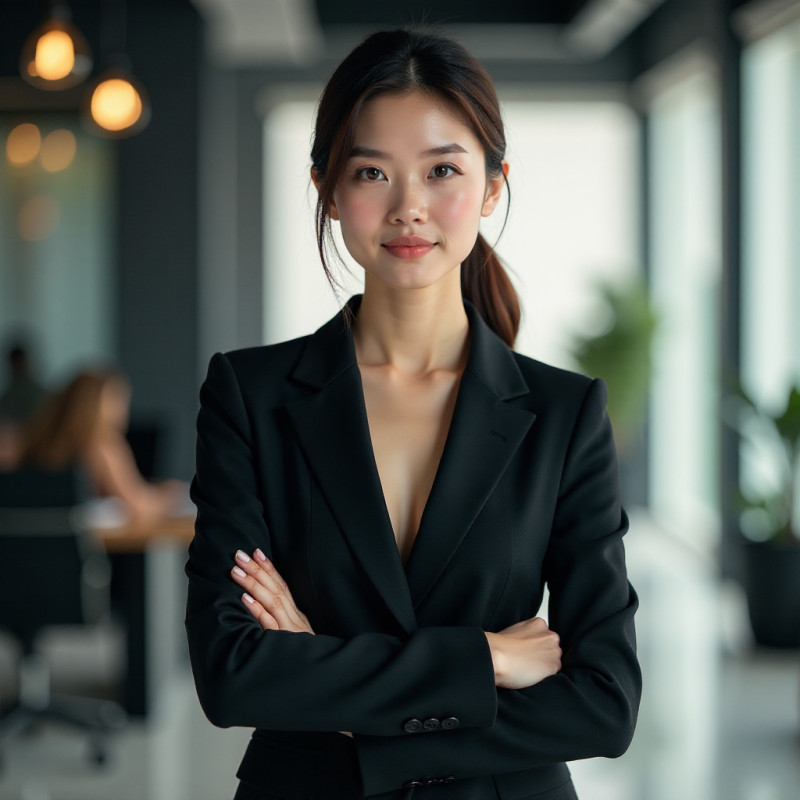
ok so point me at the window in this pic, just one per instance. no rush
(771, 241)
(55, 240)
(573, 220)
(684, 164)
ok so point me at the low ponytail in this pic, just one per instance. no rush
(486, 285)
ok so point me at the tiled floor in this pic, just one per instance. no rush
(720, 720)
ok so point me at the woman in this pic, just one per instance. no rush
(84, 424)
(381, 502)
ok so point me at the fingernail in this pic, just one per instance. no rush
(242, 556)
(248, 599)
(240, 572)
(259, 555)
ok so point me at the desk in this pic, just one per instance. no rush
(136, 538)
(148, 592)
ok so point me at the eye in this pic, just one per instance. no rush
(370, 174)
(444, 171)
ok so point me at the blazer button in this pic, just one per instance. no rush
(431, 723)
(413, 782)
(412, 725)
(450, 722)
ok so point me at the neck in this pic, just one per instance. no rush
(414, 331)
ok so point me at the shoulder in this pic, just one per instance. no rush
(570, 409)
(565, 402)
(259, 376)
(277, 357)
(549, 384)
(258, 363)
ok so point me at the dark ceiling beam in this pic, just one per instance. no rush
(601, 25)
(302, 32)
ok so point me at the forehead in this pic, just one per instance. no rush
(412, 118)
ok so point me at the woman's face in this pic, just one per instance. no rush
(413, 190)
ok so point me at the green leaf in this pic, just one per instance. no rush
(621, 354)
(788, 423)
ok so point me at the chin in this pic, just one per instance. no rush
(409, 285)
(410, 276)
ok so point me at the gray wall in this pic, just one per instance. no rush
(157, 224)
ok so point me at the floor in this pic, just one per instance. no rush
(720, 718)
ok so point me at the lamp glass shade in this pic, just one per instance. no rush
(116, 105)
(55, 56)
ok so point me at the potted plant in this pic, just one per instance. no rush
(769, 517)
(621, 353)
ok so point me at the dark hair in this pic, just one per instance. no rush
(403, 60)
(57, 435)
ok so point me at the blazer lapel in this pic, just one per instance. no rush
(331, 425)
(484, 434)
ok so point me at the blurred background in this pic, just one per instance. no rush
(155, 207)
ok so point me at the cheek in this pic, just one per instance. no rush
(358, 213)
(460, 207)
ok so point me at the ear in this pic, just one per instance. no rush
(332, 211)
(494, 188)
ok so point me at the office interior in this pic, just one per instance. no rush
(653, 238)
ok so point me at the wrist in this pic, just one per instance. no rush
(498, 656)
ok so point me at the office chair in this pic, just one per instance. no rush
(51, 573)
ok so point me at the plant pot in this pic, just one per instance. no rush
(772, 586)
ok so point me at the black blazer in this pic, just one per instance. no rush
(526, 494)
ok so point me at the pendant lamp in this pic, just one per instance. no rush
(56, 55)
(115, 104)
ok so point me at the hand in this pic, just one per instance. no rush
(267, 596)
(524, 654)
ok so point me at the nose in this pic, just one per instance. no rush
(409, 203)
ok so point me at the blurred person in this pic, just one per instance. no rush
(19, 400)
(84, 424)
(23, 394)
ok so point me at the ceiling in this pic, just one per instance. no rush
(361, 12)
(300, 32)
(262, 31)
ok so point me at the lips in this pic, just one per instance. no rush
(408, 246)
(407, 241)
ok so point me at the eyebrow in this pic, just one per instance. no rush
(444, 150)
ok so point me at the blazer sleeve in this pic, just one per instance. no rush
(285, 680)
(590, 707)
